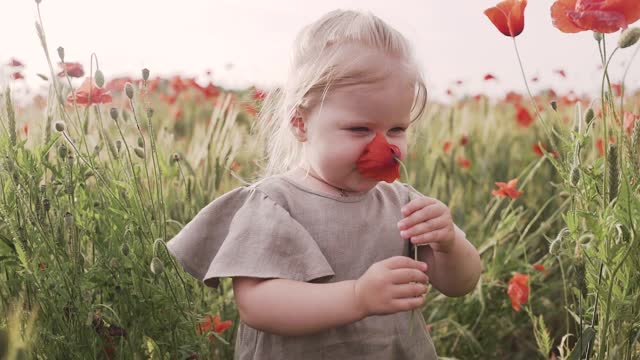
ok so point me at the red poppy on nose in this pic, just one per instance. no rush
(378, 160)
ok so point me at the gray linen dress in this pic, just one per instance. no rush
(277, 228)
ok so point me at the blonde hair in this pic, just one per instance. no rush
(314, 69)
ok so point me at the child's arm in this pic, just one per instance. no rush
(453, 273)
(292, 308)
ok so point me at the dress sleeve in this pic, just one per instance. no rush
(246, 233)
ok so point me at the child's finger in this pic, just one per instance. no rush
(424, 227)
(429, 237)
(423, 214)
(416, 204)
(408, 291)
(397, 262)
(405, 275)
(407, 303)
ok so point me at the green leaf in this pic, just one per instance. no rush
(581, 345)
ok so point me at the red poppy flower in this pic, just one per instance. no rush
(617, 89)
(523, 117)
(17, 75)
(446, 146)
(630, 121)
(513, 98)
(538, 150)
(535, 79)
(489, 77)
(73, 69)
(560, 72)
(464, 162)
(507, 189)
(518, 290)
(600, 144)
(15, 63)
(464, 140)
(213, 323)
(508, 16)
(88, 93)
(378, 160)
(605, 16)
(540, 268)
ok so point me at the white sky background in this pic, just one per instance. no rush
(453, 40)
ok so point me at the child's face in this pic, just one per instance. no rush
(338, 130)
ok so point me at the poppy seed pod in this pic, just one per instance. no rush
(61, 53)
(157, 267)
(60, 126)
(128, 89)
(145, 74)
(629, 37)
(99, 76)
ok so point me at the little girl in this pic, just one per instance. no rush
(317, 248)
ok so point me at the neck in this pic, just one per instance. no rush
(341, 191)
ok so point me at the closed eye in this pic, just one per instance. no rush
(398, 129)
(358, 129)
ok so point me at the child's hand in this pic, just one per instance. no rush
(388, 286)
(428, 221)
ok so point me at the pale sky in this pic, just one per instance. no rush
(453, 40)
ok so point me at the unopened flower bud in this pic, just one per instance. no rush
(629, 37)
(61, 53)
(589, 116)
(139, 152)
(149, 113)
(554, 105)
(145, 74)
(597, 36)
(99, 78)
(581, 281)
(124, 249)
(59, 126)
(175, 157)
(128, 89)
(62, 151)
(140, 141)
(157, 267)
(575, 176)
(118, 145)
(114, 113)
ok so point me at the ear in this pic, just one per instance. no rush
(298, 127)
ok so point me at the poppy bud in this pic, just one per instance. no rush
(128, 89)
(139, 152)
(59, 126)
(118, 145)
(589, 116)
(62, 151)
(575, 176)
(96, 150)
(140, 141)
(554, 105)
(149, 113)
(597, 36)
(145, 74)
(614, 175)
(554, 247)
(124, 249)
(114, 114)
(175, 157)
(99, 78)
(157, 267)
(579, 268)
(61, 53)
(68, 219)
(629, 37)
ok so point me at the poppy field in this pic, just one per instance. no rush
(99, 173)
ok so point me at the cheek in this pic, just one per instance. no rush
(402, 145)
